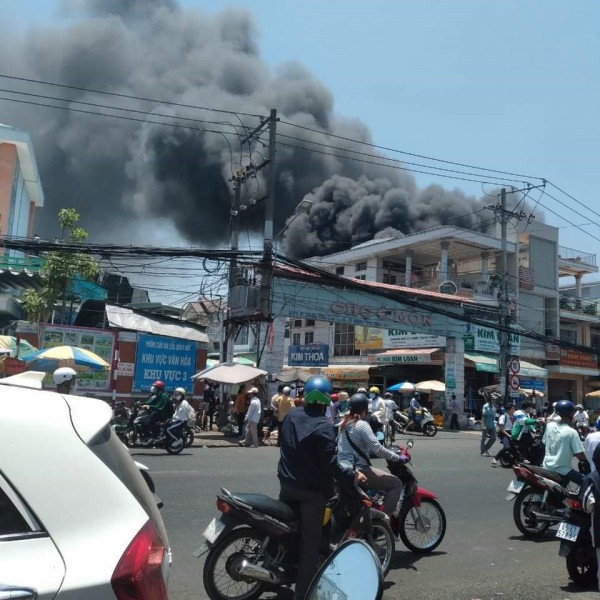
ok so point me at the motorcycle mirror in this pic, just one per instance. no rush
(352, 572)
(410, 444)
(380, 437)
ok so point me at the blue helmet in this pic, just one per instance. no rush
(597, 424)
(317, 390)
(564, 408)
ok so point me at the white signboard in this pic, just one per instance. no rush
(488, 340)
(124, 369)
(398, 338)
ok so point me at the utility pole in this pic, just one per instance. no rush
(232, 280)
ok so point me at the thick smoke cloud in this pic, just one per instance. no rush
(122, 175)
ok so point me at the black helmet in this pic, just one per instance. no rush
(358, 403)
(564, 408)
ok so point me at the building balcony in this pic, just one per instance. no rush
(575, 262)
(578, 309)
(20, 264)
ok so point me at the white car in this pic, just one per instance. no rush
(77, 519)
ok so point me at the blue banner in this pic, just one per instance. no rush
(170, 360)
(533, 384)
(309, 355)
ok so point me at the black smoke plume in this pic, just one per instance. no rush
(122, 175)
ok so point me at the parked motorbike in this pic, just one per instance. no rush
(424, 422)
(421, 519)
(253, 545)
(576, 544)
(538, 495)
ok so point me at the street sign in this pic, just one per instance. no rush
(514, 381)
(515, 365)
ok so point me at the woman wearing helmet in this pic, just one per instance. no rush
(562, 443)
(307, 467)
(65, 380)
(357, 443)
(181, 415)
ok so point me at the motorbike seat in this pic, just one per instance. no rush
(268, 506)
(545, 473)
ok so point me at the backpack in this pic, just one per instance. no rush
(191, 422)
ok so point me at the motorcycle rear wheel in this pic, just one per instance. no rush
(527, 500)
(422, 531)
(220, 580)
(429, 429)
(189, 437)
(507, 460)
(383, 544)
(175, 446)
(582, 565)
(130, 438)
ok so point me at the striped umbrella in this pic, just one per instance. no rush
(8, 345)
(49, 359)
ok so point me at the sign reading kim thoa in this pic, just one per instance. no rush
(309, 355)
(170, 360)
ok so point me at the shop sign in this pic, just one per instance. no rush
(486, 339)
(404, 358)
(575, 358)
(370, 338)
(309, 355)
(450, 375)
(533, 384)
(125, 369)
(98, 341)
(170, 360)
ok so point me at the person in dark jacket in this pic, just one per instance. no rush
(590, 498)
(156, 404)
(307, 468)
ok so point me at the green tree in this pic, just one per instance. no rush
(60, 267)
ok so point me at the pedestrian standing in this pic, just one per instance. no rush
(274, 422)
(252, 419)
(239, 408)
(488, 428)
(454, 410)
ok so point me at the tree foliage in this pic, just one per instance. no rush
(60, 267)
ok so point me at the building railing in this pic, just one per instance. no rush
(21, 263)
(576, 256)
(572, 304)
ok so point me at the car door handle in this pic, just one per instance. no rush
(8, 592)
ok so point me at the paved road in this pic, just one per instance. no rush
(482, 556)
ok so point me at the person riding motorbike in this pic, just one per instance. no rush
(581, 420)
(65, 380)
(181, 415)
(307, 468)
(413, 407)
(562, 444)
(357, 443)
(591, 441)
(156, 404)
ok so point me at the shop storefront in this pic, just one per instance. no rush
(569, 379)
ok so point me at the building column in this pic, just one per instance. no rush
(444, 262)
(485, 267)
(578, 285)
(273, 358)
(454, 368)
(408, 268)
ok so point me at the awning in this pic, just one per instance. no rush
(335, 372)
(125, 318)
(531, 370)
(487, 364)
(408, 356)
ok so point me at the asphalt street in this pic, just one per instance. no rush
(483, 556)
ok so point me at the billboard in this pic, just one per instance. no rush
(99, 341)
(486, 339)
(371, 338)
(170, 360)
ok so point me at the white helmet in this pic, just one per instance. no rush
(286, 390)
(179, 390)
(63, 374)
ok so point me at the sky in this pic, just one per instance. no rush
(505, 85)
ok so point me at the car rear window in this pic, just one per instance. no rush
(111, 451)
(11, 520)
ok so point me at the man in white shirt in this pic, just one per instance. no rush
(591, 441)
(252, 419)
(581, 420)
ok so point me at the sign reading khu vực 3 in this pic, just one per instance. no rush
(309, 355)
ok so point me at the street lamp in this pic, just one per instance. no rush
(303, 208)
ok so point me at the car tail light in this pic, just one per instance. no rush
(222, 505)
(139, 575)
(573, 503)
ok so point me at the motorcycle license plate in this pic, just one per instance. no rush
(514, 487)
(567, 531)
(213, 531)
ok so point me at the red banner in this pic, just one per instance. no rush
(575, 358)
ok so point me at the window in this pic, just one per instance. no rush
(296, 339)
(339, 270)
(242, 337)
(390, 279)
(361, 266)
(12, 521)
(343, 340)
(297, 322)
(310, 322)
(361, 277)
(309, 337)
(568, 334)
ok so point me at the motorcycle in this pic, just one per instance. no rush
(534, 453)
(424, 422)
(421, 519)
(252, 546)
(120, 420)
(538, 495)
(136, 434)
(576, 544)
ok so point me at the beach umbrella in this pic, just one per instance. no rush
(80, 359)
(8, 345)
(405, 386)
(595, 394)
(230, 373)
(431, 386)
